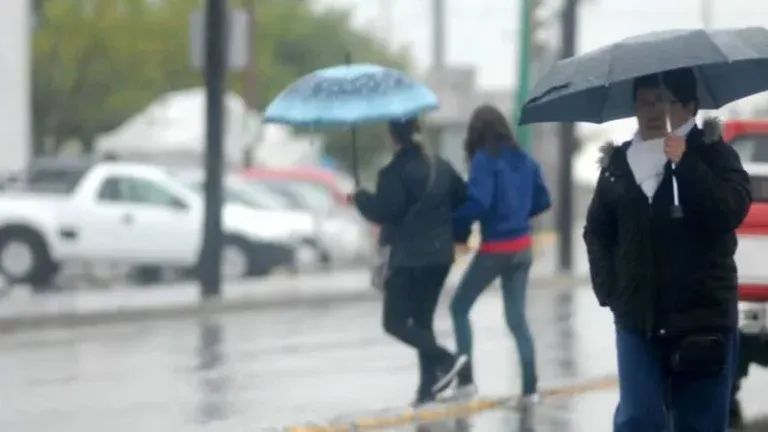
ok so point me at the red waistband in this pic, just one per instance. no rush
(518, 244)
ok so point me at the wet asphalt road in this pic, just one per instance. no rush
(291, 366)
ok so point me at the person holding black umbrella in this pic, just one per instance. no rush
(665, 265)
(415, 196)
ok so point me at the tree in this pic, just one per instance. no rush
(98, 62)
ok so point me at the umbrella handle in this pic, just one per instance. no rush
(355, 161)
(677, 209)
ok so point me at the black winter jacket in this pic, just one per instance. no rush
(415, 213)
(658, 274)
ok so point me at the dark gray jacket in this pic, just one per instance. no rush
(415, 212)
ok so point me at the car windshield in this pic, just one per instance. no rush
(309, 195)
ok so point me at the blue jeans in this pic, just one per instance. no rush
(513, 268)
(644, 385)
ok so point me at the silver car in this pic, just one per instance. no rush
(341, 231)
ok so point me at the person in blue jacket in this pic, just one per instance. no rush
(505, 190)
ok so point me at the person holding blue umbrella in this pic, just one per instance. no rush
(415, 196)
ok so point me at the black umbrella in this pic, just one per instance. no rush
(596, 87)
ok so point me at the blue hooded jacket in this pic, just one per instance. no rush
(503, 192)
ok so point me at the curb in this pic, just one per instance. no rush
(452, 410)
(215, 307)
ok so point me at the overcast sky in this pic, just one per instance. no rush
(483, 33)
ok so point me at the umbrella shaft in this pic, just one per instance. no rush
(675, 193)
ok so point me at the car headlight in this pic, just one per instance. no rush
(753, 317)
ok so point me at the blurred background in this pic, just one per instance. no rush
(103, 126)
(89, 79)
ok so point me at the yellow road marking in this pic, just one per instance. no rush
(452, 410)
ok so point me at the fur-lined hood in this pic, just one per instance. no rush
(711, 129)
(606, 150)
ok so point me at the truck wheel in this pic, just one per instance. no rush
(24, 257)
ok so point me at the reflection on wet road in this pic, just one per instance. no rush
(289, 366)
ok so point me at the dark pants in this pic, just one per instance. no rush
(645, 386)
(410, 300)
(513, 269)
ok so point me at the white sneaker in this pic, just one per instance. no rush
(466, 391)
(526, 403)
(449, 374)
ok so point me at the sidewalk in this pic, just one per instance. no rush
(22, 309)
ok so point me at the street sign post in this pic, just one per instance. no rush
(237, 40)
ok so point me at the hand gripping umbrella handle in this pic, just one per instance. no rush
(677, 209)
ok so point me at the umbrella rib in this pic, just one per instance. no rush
(708, 86)
(718, 49)
(607, 88)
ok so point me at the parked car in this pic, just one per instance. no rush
(336, 185)
(311, 250)
(348, 238)
(106, 211)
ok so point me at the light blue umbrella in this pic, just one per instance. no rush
(348, 95)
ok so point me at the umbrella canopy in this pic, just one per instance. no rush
(596, 87)
(348, 95)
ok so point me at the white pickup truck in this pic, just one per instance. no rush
(128, 213)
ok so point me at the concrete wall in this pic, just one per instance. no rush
(15, 84)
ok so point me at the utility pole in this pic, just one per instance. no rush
(215, 68)
(438, 35)
(250, 75)
(564, 217)
(523, 73)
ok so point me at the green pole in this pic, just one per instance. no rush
(523, 75)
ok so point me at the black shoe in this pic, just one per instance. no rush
(465, 377)
(447, 373)
(465, 383)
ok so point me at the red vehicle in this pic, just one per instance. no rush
(750, 139)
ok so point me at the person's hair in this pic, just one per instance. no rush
(683, 85)
(488, 130)
(406, 132)
(645, 82)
